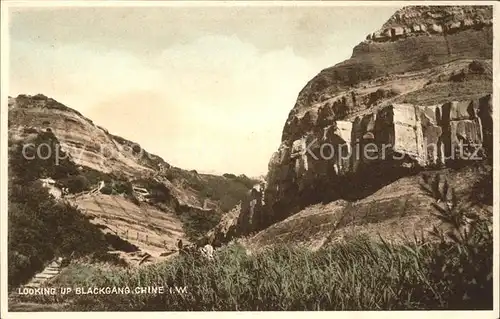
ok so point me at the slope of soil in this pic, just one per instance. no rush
(398, 210)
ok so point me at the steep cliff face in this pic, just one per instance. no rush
(416, 94)
(414, 39)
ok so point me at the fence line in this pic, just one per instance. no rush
(114, 228)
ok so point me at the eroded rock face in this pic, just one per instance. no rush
(320, 164)
(402, 135)
(413, 39)
(88, 144)
(415, 21)
(415, 94)
(245, 218)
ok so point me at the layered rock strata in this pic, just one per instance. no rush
(415, 94)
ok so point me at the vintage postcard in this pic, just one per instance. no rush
(249, 156)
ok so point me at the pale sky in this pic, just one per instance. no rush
(206, 88)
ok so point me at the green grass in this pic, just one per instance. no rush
(358, 275)
(448, 270)
(40, 227)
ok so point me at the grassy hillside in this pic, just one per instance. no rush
(451, 270)
(40, 228)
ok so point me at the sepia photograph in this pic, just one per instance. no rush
(209, 156)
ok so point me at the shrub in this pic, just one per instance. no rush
(27, 165)
(462, 263)
(95, 176)
(39, 97)
(41, 228)
(476, 67)
(123, 187)
(107, 190)
(197, 223)
(450, 270)
(76, 184)
(228, 191)
(482, 190)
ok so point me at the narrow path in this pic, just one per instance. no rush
(52, 270)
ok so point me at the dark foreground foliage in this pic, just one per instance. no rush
(448, 270)
(41, 228)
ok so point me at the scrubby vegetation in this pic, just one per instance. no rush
(482, 190)
(40, 228)
(41, 158)
(228, 190)
(448, 270)
(197, 223)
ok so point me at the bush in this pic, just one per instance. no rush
(451, 271)
(476, 67)
(461, 266)
(123, 187)
(229, 190)
(41, 228)
(107, 190)
(482, 190)
(27, 165)
(95, 176)
(76, 184)
(197, 223)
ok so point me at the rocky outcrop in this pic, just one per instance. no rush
(406, 43)
(432, 20)
(416, 94)
(242, 219)
(86, 143)
(395, 137)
